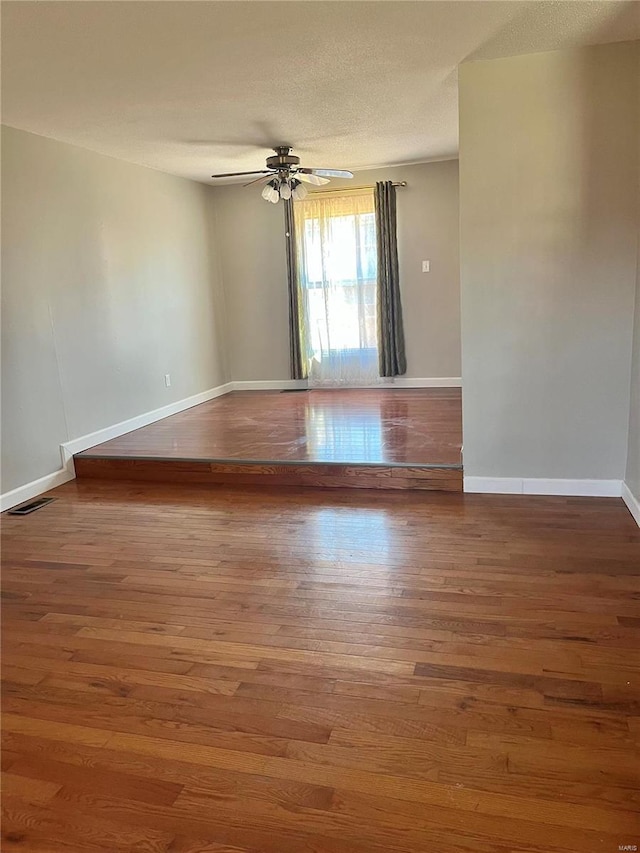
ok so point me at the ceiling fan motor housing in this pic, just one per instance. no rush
(283, 159)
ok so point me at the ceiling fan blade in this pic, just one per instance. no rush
(240, 174)
(261, 180)
(329, 173)
(311, 179)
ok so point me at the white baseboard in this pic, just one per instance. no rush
(492, 485)
(269, 385)
(389, 382)
(542, 486)
(33, 489)
(83, 442)
(632, 502)
(425, 382)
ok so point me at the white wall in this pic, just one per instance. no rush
(109, 281)
(252, 250)
(548, 204)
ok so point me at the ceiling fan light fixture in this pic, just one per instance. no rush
(285, 189)
(299, 191)
(270, 192)
(285, 176)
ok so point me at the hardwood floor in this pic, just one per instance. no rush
(189, 670)
(416, 426)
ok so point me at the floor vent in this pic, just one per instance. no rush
(32, 506)
(293, 390)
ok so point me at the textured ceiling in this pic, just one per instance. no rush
(193, 88)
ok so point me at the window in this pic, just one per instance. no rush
(337, 268)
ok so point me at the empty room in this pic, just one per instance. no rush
(320, 478)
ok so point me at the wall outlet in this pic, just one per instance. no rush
(426, 266)
(167, 380)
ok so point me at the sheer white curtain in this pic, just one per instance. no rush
(337, 266)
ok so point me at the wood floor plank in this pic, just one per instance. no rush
(47, 828)
(32, 789)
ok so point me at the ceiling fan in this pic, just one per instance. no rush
(285, 177)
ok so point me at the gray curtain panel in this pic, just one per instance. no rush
(298, 362)
(391, 352)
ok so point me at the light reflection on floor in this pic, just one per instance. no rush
(338, 435)
(352, 534)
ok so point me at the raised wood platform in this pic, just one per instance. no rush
(326, 475)
(365, 439)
